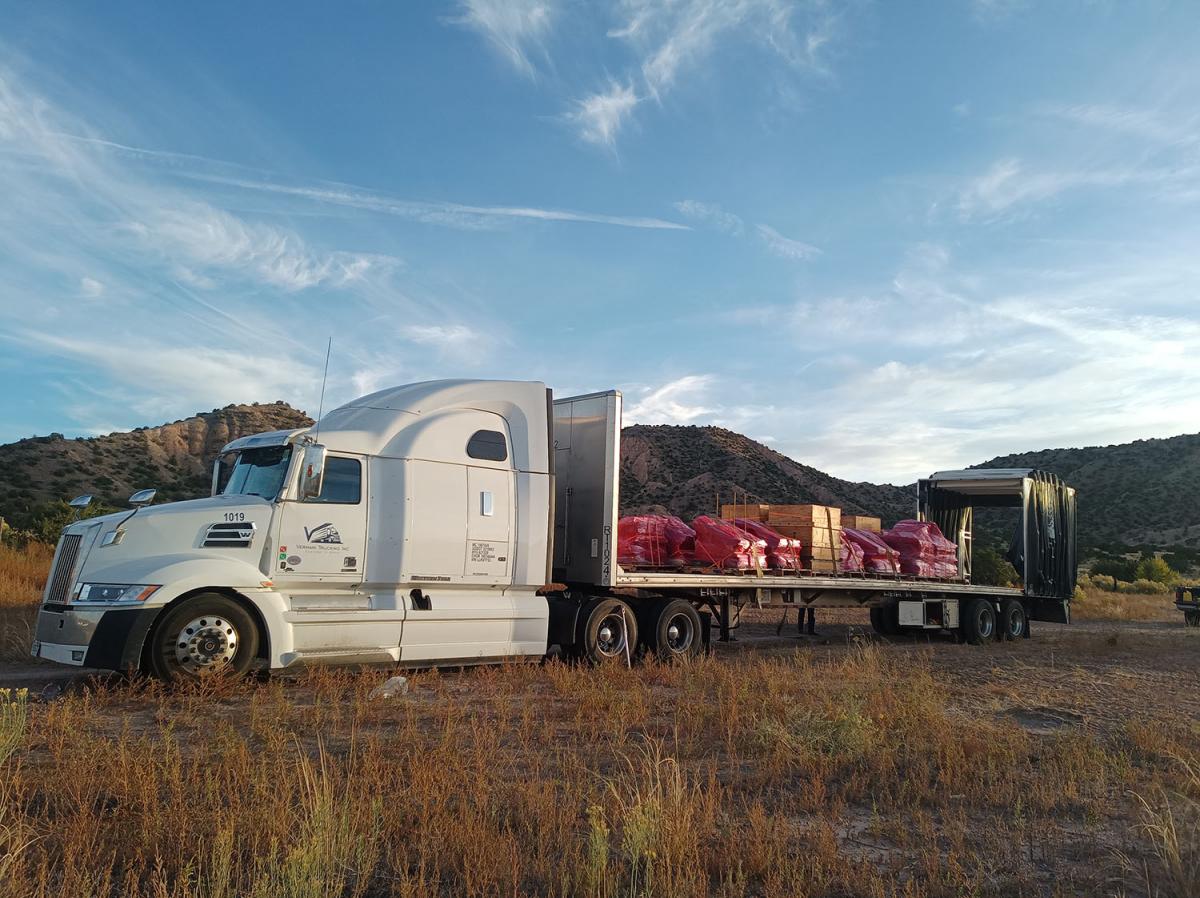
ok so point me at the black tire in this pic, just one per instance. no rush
(1192, 618)
(1013, 623)
(979, 622)
(202, 636)
(607, 630)
(674, 632)
(885, 619)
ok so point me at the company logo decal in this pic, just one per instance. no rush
(323, 533)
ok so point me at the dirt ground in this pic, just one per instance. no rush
(1116, 698)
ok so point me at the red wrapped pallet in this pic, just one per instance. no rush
(783, 552)
(724, 544)
(924, 552)
(878, 556)
(851, 555)
(654, 540)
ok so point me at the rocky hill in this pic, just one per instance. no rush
(175, 458)
(684, 470)
(1144, 493)
(1140, 494)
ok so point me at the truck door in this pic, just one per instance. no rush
(324, 539)
(320, 564)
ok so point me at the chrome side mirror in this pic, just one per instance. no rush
(142, 497)
(312, 471)
(81, 502)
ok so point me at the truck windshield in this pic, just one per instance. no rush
(258, 472)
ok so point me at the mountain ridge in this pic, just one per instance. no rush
(1140, 494)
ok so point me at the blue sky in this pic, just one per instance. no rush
(882, 238)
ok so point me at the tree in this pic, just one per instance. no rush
(990, 568)
(1154, 568)
(54, 516)
(1117, 568)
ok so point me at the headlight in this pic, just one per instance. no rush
(113, 592)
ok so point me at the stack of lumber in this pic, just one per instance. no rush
(819, 529)
(862, 522)
(757, 513)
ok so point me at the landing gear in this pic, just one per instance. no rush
(885, 619)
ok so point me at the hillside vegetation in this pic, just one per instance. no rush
(1143, 495)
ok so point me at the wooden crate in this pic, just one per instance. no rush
(862, 522)
(816, 515)
(819, 565)
(749, 512)
(810, 536)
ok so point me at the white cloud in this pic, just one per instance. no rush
(680, 401)
(458, 215)
(212, 238)
(711, 214)
(441, 335)
(90, 288)
(785, 247)
(673, 40)
(514, 27)
(600, 116)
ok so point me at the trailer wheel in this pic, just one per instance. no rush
(979, 623)
(1192, 618)
(608, 631)
(885, 619)
(674, 632)
(1013, 623)
(203, 635)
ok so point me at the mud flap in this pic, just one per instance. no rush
(1054, 611)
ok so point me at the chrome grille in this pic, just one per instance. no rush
(232, 535)
(59, 586)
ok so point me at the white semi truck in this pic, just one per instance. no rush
(467, 521)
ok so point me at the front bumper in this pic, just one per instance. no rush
(108, 638)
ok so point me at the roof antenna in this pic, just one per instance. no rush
(324, 378)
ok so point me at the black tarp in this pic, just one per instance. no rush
(1043, 551)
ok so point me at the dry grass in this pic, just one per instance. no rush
(22, 577)
(1099, 604)
(853, 773)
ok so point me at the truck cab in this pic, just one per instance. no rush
(412, 525)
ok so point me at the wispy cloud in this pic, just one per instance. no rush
(600, 116)
(712, 215)
(457, 215)
(674, 41)
(514, 27)
(785, 247)
(680, 401)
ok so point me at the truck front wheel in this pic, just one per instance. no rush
(1192, 618)
(201, 636)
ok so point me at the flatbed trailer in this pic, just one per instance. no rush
(587, 464)
(467, 522)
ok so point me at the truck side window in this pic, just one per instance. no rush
(342, 483)
(488, 445)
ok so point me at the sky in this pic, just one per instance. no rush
(884, 239)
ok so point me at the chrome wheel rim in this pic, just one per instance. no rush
(1016, 625)
(986, 623)
(206, 644)
(610, 635)
(680, 633)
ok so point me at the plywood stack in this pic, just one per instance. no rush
(749, 512)
(862, 522)
(819, 529)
